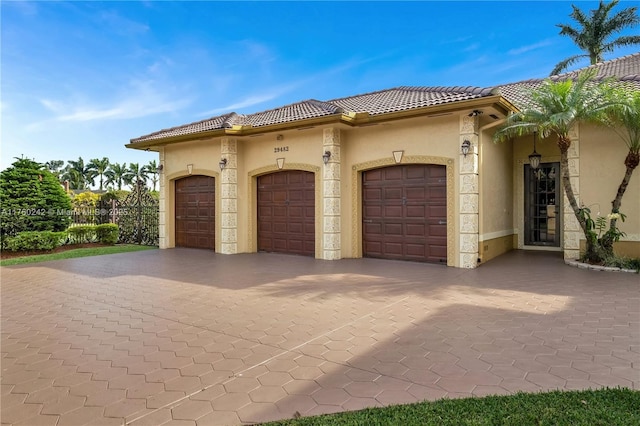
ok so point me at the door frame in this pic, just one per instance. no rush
(252, 201)
(169, 217)
(518, 171)
(356, 199)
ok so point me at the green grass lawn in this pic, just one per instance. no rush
(70, 254)
(594, 407)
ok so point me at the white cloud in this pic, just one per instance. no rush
(535, 46)
(143, 99)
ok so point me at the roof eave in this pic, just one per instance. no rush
(352, 119)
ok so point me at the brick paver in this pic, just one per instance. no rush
(192, 337)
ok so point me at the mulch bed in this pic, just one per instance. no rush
(6, 254)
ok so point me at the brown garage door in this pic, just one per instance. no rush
(404, 213)
(195, 212)
(286, 213)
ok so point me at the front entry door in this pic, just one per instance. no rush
(542, 205)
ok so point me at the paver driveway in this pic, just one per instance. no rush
(191, 337)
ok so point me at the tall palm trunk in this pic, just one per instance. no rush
(631, 162)
(564, 143)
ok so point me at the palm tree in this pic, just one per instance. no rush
(54, 167)
(152, 169)
(556, 108)
(138, 174)
(99, 168)
(77, 174)
(595, 31)
(627, 118)
(117, 174)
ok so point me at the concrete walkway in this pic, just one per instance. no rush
(187, 337)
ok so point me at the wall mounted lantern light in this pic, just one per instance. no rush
(534, 157)
(326, 156)
(222, 164)
(160, 168)
(466, 145)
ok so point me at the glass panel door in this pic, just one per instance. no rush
(542, 205)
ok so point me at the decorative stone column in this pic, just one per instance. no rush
(571, 227)
(331, 196)
(162, 205)
(469, 194)
(229, 197)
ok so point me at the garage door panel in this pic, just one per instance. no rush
(415, 229)
(393, 194)
(393, 248)
(415, 211)
(417, 172)
(416, 250)
(195, 212)
(372, 194)
(393, 173)
(393, 229)
(286, 200)
(393, 211)
(404, 211)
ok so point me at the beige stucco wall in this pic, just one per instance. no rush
(425, 140)
(496, 197)
(602, 154)
(598, 165)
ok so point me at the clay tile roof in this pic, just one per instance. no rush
(403, 98)
(220, 122)
(625, 69)
(298, 111)
(406, 98)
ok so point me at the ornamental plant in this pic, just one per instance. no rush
(32, 199)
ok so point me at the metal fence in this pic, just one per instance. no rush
(137, 216)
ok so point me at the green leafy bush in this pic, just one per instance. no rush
(35, 240)
(32, 199)
(107, 233)
(82, 234)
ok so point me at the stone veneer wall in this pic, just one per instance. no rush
(571, 228)
(229, 198)
(469, 196)
(331, 196)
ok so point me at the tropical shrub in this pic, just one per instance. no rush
(82, 234)
(107, 233)
(34, 240)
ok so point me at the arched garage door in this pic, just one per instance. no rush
(286, 212)
(404, 213)
(195, 212)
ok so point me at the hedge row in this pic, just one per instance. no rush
(106, 233)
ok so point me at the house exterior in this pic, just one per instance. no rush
(384, 175)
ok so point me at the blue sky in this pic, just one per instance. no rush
(83, 78)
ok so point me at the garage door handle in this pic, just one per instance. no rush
(442, 222)
(368, 221)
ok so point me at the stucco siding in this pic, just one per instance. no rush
(602, 155)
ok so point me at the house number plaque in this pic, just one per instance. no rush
(281, 149)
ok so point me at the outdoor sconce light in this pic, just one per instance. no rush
(222, 164)
(534, 157)
(160, 168)
(466, 145)
(326, 156)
